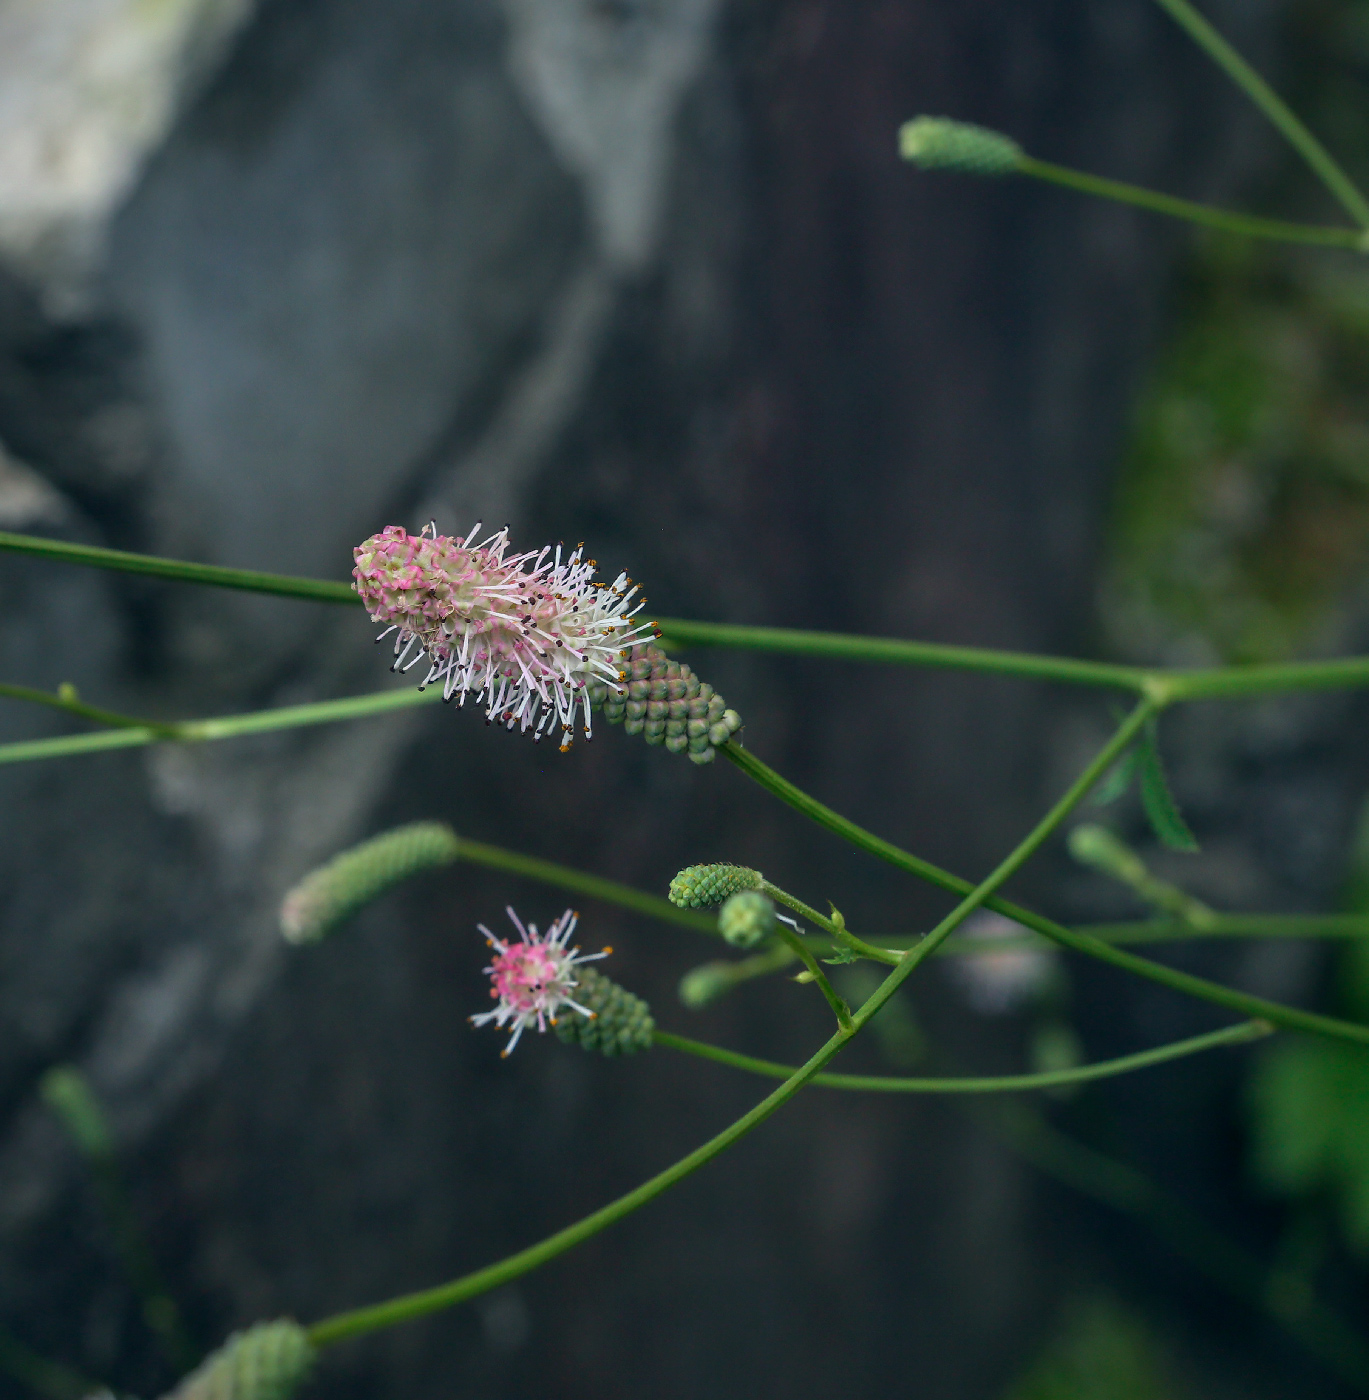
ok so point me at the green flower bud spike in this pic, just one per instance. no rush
(350, 881)
(666, 703)
(267, 1362)
(747, 918)
(698, 886)
(620, 1023)
(938, 143)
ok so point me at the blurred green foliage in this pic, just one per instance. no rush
(1101, 1350)
(1309, 1099)
(1243, 515)
(1241, 529)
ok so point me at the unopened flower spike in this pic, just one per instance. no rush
(697, 886)
(534, 637)
(533, 977)
(939, 143)
(350, 881)
(266, 1362)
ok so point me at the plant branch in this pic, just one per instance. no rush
(1229, 221)
(995, 1084)
(1272, 105)
(1286, 1016)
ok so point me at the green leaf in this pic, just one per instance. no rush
(1157, 800)
(1117, 780)
(840, 955)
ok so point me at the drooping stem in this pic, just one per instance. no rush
(1229, 221)
(420, 1304)
(995, 1084)
(414, 1305)
(1287, 1016)
(1272, 105)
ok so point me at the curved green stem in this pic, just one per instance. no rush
(1287, 1016)
(548, 872)
(1247, 225)
(414, 1305)
(1272, 105)
(994, 1084)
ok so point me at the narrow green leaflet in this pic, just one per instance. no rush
(1156, 798)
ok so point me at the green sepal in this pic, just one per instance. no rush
(1116, 780)
(1156, 798)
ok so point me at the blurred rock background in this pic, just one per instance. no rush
(647, 273)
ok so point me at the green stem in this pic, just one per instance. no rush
(548, 872)
(1231, 926)
(225, 727)
(1247, 225)
(1287, 1016)
(414, 1305)
(995, 1084)
(1272, 105)
(841, 937)
(1166, 685)
(67, 700)
(180, 570)
(838, 646)
(797, 946)
(1238, 682)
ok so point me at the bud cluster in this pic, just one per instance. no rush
(697, 886)
(668, 704)
(267, 1362)
(619, 1024)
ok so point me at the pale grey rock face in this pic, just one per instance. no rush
(88, 90)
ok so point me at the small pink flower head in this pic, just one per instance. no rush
(533, 978)
(527, 634)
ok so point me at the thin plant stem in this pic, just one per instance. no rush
(975, 896)
(1289, 1017)
(360, 1321)
(1272, 105)
(840, 646)
(180, 570)
(797, 946)
(414, 1305)
(225, 727)
(840, 936)
(1229, 221)
(548, 872)
(993, 1084)
(68, 701)
(1168, 686)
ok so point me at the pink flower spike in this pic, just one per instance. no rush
(527, 633)
(532, 977)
